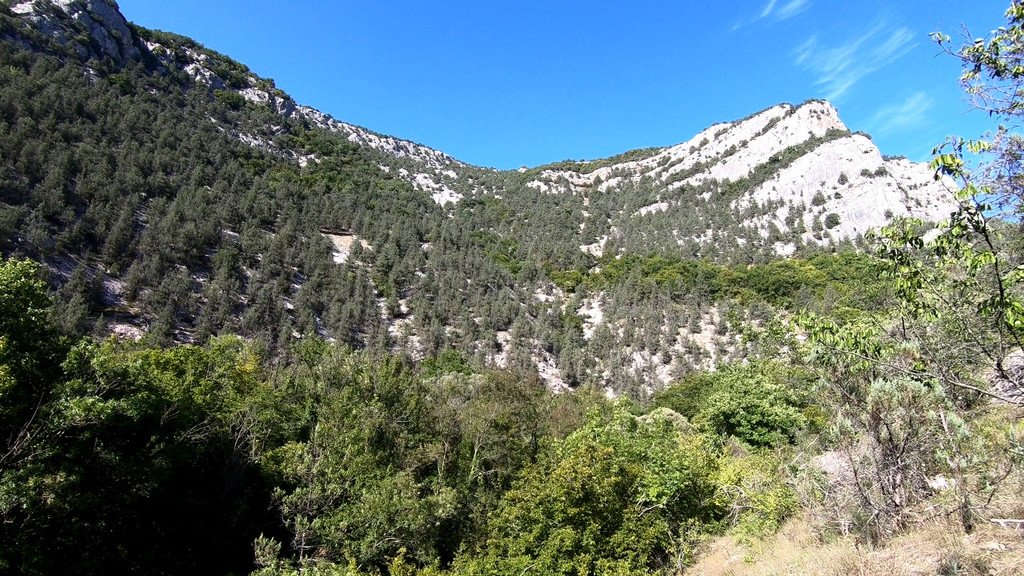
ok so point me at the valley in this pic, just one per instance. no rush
(239, 335)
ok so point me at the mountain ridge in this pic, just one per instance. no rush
(283, 222)
(111, 31)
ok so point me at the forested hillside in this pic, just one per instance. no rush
(174, 194)
(240, 336)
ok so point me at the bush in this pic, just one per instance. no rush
(619, 496)
(687, 396)
(755, 495)
(232, 100)
(758, 404)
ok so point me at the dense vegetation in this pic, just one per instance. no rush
(122, 457)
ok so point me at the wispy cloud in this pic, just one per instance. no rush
(838, 68)
(804, 51)
(774, 12)
(903, 116)
(791, 8)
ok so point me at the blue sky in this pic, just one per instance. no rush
(506, 84)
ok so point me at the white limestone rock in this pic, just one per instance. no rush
(100, 19)
(851, 179)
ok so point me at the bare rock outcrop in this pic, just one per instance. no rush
(101, 20)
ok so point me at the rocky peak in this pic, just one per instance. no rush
(789, 171)
(723, 151)
(108, 31)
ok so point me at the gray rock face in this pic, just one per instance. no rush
(100, 19)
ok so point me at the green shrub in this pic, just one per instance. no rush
(232, 100)
(620, 495)
(759, 404)
(686, 396)
(754, 493)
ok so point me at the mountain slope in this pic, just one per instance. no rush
(174, 193)
(771, 167)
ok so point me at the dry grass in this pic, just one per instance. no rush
(938, 547)
(933, 543)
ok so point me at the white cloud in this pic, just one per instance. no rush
(805, 50)
(838, 68)
(775, 13)
(791, 8)
(903, 116)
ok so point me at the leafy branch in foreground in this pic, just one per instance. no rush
(907, 386)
